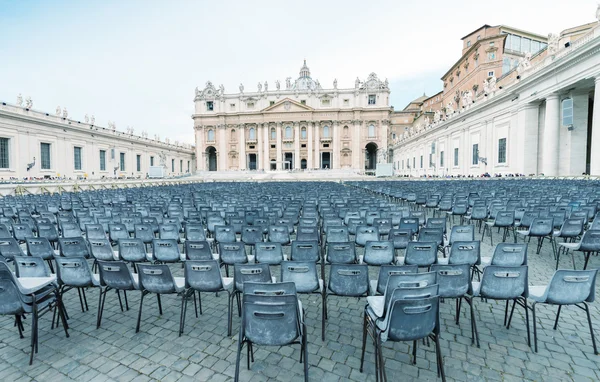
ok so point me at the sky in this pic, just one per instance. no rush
(137, 62)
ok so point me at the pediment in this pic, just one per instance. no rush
(287, 105)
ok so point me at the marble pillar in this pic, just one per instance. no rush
(242, 150)
(336, 145)
(317, 146)
(309, 145)
(261, 153)
(595, 146)
(279, 159)
(551, 135)
(222, 162)
(296, 145)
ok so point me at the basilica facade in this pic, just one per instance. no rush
(295, 125)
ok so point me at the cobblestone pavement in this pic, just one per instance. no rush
(204, 352)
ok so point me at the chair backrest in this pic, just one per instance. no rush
(302, 273)
(22, 231)
(279, 234)
(305, 251)
(94, 231)
(349, 279)
(366, 233)
(508, 254)
(269, 288)
(144, 232)
(386, 271)
(379, 252)
(73, 271)
(132, 250)
(590, 242)
(198, 250)
(251, 234)
(101, 249)
(168, 231)
(39, 247)
(31, 266)
(572, 287)
(10, 296)
(117, 231)
(203, 275)
(436, 223)
(410, 223)
(422, 254)
(194, 232)
(354, 223)
(271, 320)
(233, 253)
(465, 252)
(47, 230)
(156, 278)
(505, 219)
(307, 233)
(165, 250)
(454, 280)
(337, 234)
(400, 237)
(412, 319)
(73, 247)
(269, 253)
(502, 282)
(435, 235)
(5, 232)
(541, 227)
(572, 227)
(116, 275)
(462, 233)
(255, 273)
(341, 253)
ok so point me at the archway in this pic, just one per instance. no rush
(211, 157)
(371, 156)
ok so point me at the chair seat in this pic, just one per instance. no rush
(485, 261)
(228, 283)
(373, 286)
(95, 279)
(400, 260)
(572, 246)
(538, 293)
(179, 284)
(476, 288)
(30, 285)
(376, 304)
(443, 260)
(136, 280)
(523, 233)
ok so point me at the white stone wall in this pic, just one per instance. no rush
(27, 129)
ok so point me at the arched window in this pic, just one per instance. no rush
(273, 133)
(303, 133)
(288, 132)
(325, 131)
(233, 134)
(252, 133)
(371, 130)
(211, 135)
(346, 131)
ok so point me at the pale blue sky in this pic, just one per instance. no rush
(138, 62)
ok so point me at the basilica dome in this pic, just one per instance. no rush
(304, 81)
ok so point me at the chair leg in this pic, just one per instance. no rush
(305, 346)
(527, 321)
(196, 304)
(85, 299)
(34, 329)
(323, 316)
(80, 299)
(587, 259)
(440, 358)
(19, 324)
(414, 360)
(507, 321)
(364, 342)
(473, 322)
(535, 344)
(126, 302)
(62, 314)
(159, 304)
(229, 314)
(238, 359)
(137, 328)
(120, 302)
(587, 311)
(182, 313)
(99, 316)
(557, 315)
(383, 375)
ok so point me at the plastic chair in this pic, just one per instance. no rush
(198, 250)
(117, 231)
(566, 288)
(268, 253)
(114, 275)
(504, 220)
(366, 233)
(73, 247)
(30, 266)
(95, 232)
(385, 272)
(379, 253)
(351, 280)
(37, 302)
(40, 247)
(243, 273)
(74, 272)
(132, 251)
(590, 243)
(305, 251)
(505, 283)
(279, 234)
(422, 254)
(231, 254)
(158, 279)
(204, 276)
(541, 228)
(165, 251)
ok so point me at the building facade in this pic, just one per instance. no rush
(35, 144)
(541, 117)
(296, 125)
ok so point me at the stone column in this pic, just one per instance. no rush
(574, 163)
(259, 138)
(317, 153)
(267, 146)
(200, 153)
(336, 145)
(356, 149)
(310, 155)
(551, 134)
(242, 149)
(595, 145)
(526, 147)
(297, 145)
(278, 143)
(222, 162)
